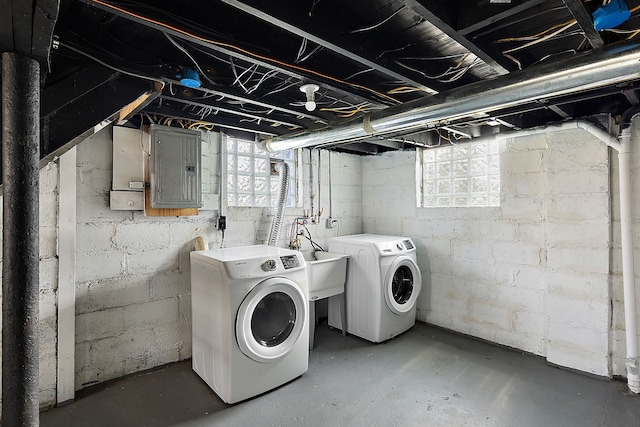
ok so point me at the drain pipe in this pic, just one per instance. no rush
(628, 273)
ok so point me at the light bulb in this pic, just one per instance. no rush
(310, 90)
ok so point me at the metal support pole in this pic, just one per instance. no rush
(20, 247)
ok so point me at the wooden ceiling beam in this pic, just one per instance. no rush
(585, 22)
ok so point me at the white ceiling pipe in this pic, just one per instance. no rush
(593, 69)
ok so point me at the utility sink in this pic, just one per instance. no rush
(326, 273)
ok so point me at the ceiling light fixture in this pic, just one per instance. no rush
(310, 90)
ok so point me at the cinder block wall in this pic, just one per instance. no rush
(531, 274)
(48, 282)
(133, 308)
(133, 284)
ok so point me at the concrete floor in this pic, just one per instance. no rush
(425, 377)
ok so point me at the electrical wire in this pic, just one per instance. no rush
(451, 74)
(313, 6)
(303, 47)
(314, 245)
(183, 50)
(403, 89)
(360, 30)
(101, 62)
(358, 73)
(440, 136)
(241, 50)
(345, 112)
(536, 36)
(534, 39)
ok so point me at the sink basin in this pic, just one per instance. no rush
(326, 273)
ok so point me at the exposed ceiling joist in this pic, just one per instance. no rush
(501, 16)
(228, 95)
(170, 112)
(559, 111)
(217, 108)
(632, 96)
(70, 124)
(26, 27)
(350, 54)
(224, 48)
(429, 16)
(372, 60)
(576, 7)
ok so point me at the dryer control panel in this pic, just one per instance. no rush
(290, 261)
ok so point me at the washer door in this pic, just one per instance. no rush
(271, 319)
(402, 284)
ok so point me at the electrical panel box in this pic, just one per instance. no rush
(128, 159)
(175, 166)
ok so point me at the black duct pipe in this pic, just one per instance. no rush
(20, 247)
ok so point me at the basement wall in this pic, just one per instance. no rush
(532, 274)
(48, 282)
(133, 301)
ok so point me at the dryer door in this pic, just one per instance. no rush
(402, 284)
(271, 319)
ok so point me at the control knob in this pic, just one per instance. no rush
(269, 265)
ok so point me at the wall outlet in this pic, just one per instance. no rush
(221, 224)
(331, 222)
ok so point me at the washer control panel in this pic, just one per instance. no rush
(394, 247)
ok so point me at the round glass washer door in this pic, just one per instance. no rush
(271, 319)
(402, 285)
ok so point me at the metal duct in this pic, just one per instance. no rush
(276, 223)
(597, 68)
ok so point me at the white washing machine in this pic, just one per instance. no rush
(250, 315)
(382, 286)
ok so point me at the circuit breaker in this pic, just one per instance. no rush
(175, 168)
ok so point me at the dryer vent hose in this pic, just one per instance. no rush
(278, 219)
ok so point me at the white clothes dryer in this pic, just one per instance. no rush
(382, 286)
(250, 314)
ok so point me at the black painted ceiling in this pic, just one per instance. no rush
(366, 56)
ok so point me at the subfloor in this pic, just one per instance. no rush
(425, 377)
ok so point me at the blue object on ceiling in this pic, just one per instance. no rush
(610, 15)
(189, 78)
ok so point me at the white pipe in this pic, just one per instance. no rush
(628, 273)
(556, 127)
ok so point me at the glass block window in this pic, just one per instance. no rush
(463, 175)
(250, 177)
